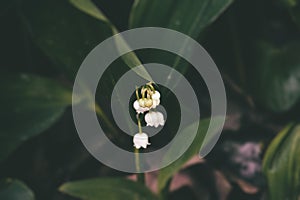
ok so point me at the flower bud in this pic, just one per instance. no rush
(142, 103)
(148, 103)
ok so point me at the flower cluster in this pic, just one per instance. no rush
(145, 104)
(149, 100)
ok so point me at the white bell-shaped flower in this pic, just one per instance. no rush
(154, 118)
(140, 140)
(156, 95)
(138, 108)
(155, 103)
(155, 99)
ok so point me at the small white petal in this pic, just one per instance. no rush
(156, 102)
(156, 95)
(160, 117)
(136, 105)
(139, 109)
(140, 140)
(148, 119)
(155, 119)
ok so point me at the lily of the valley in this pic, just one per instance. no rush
(154, 118)
(155, 99)
(147, 99)
(140, 140)
(145, 104)
(138, 108)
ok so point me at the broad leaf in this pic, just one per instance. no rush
(91, 9)
(281, 165)
(29, 105)
(15, 190)
(65, 34)
(188, 16)
(166, 173)
(130, 59)
(107, 188)
(277, 76)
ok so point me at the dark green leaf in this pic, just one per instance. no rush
(130, 59)
(166, 173)
(277, 76)
(281, 165)
(90, 8)
(29, 105)
(189, 17)
(65, 34)
(107, 188)
(15, 190)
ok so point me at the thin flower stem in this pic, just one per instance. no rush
(137, 160)
(136, 93)
(151, 86)
(140, 176)
(139, 123)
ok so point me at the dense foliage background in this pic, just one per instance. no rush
(255, 44)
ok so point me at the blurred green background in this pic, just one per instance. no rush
(256, 46)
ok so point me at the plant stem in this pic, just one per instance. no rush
(137, 160)
(139, 123)
(140, 176)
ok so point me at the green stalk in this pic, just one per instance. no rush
(140, 176)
